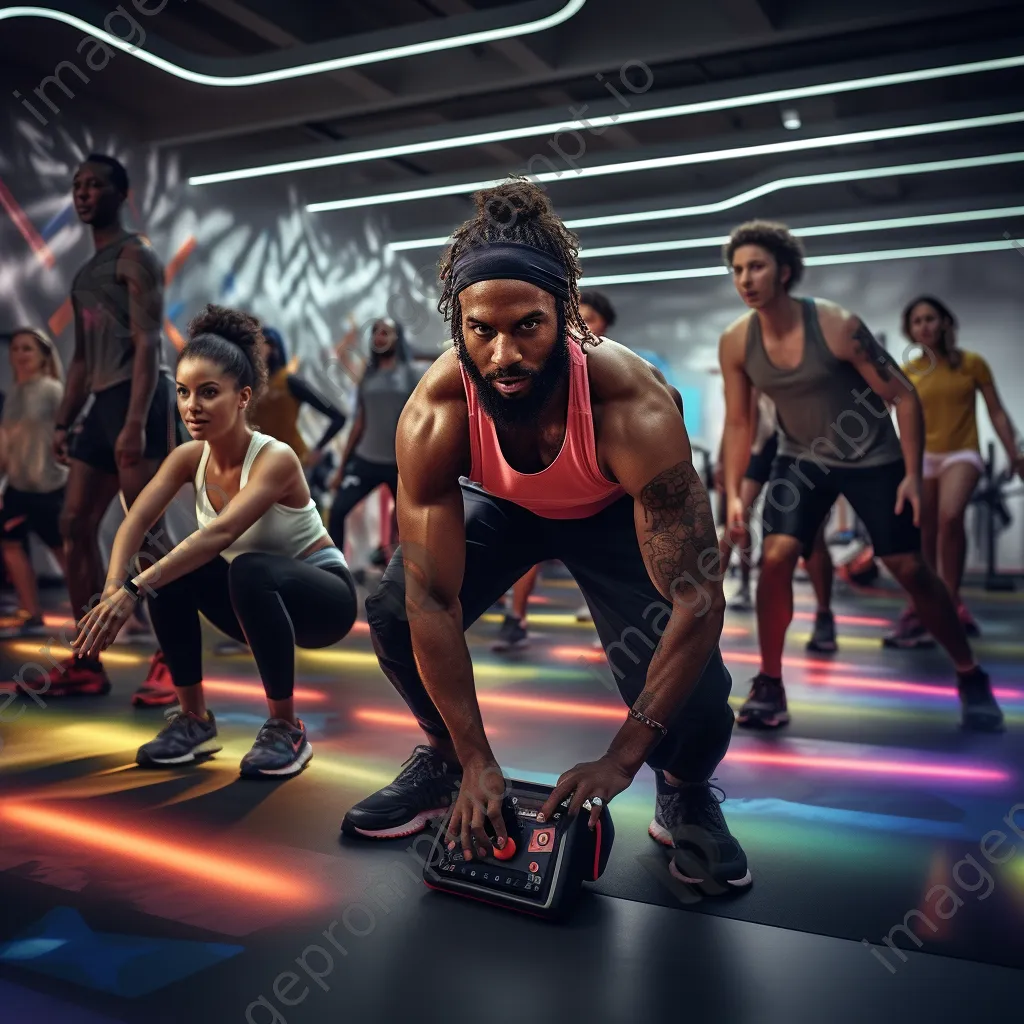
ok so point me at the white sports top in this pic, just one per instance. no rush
(279, 531)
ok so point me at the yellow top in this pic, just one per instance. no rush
(277, 413)
(948, 399)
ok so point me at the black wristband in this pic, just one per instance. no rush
(132, 589)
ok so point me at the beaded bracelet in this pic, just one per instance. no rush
(649, 722)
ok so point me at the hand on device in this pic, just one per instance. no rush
(604, 778)
(479, 800)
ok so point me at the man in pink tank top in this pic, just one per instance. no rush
(528, 441)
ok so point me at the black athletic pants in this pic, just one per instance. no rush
(270, 602)
(503, 540)
(359, 478)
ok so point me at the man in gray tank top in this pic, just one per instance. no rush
(117, 298)
(832, 384)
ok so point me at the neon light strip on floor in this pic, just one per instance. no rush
(226, 872)
(900, 686)
(849, 620)
(865, 766)
(255, 691)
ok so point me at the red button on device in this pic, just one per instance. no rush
(509, 852)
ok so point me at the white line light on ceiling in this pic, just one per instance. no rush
(320, 67)
(621, 118)
(815, 231)
(778, 185)
(686, 159)
(811, 261)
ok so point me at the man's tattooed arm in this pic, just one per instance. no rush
(678, 531)
(883, 375)
(868, 350)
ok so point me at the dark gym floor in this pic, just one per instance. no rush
(189, 895)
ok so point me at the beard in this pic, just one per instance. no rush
(517, 410)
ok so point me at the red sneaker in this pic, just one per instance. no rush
(157, 690)
(72, 677)
(967, 620)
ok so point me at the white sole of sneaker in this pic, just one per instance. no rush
(736, 883)
(659, 833)
(410, 828)
(206, 747)
(289, 769)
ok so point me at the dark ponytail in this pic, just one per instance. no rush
(232, 341)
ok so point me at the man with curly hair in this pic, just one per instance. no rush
(118, 363)
(833, 385)
(577, 452)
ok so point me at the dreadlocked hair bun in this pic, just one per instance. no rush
(518, 210)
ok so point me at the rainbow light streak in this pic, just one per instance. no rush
(397, 718)
(255, 691)
(898, 686)
(865, 766)
(754, 658)
(42, 649)
(128, 841)
(575, 709)
(849, 620)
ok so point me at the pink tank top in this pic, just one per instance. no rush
(572, 487)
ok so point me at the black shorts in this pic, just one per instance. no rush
(759, 469)
(94, 439)
(26, 512)
(800, 494)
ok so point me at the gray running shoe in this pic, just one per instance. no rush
(823, 637)
(512, 636)
(280, 749)
(979, 710)
(179, 742)
(765, 707)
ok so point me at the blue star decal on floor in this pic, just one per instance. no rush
(63, 946)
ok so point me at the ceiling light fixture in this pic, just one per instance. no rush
(571, 8)
(778, 185)
(620, 118)
(684, 159)
(810, 261)
(791, 119)
(815, 231)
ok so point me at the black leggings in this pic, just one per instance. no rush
(270, 602)
(503, 541)
(359, 478)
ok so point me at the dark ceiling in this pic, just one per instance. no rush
(694, 50)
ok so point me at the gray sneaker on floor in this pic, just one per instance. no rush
(280, 749)
(180, 741)
(512, 636)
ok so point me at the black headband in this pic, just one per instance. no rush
(510, 261)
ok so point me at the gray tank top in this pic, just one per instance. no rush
(826, 410)
(384, 394)
(101, 305)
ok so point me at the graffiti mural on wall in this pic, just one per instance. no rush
(259, 251)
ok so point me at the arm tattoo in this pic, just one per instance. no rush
(681, 549)
(869, 348)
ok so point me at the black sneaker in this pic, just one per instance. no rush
(823, 637)
(421, 791)
(178, 742)
(765, 706)
(512, 636)
(979, 711)
(690, 820)
(742, 601)
(280, 749)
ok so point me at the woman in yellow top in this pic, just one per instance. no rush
(947, 380)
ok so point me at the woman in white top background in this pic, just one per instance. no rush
(34, 492)
(261, 567)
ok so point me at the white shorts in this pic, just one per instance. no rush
(936, 462)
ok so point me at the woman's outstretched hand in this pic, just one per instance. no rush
(101, 624)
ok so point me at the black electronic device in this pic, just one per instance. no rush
(540, 871)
